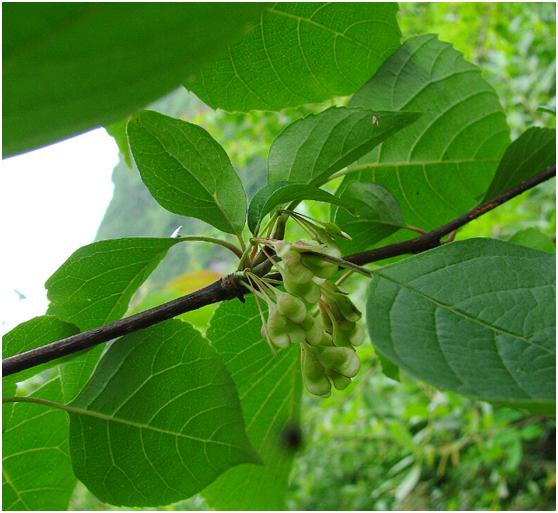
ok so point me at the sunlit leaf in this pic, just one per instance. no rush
(187, 171)
(300, 53)
(159, 420)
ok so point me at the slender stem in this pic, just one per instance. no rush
(228, 288)
(214, 240)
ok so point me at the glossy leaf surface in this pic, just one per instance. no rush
(311, 149)
(475, 317)
(455, 146)
(159, 420)
(300, 53)
(278, 193)
(71, 67)
(187, 171)
(270, 390)
(532, 152)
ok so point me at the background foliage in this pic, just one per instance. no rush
(382, 444)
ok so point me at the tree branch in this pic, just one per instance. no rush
(228, 288)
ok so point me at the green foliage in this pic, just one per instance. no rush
(71, 67)
(168, 412)
(270, 390)
(300, 53)
(187, 171)
(475, 317)
(138, 438)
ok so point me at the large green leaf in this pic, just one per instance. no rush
(532, 152)
(440, 166)
(36, 467)
(311, 149)
(378, 216)
(477, 317)
(270, 389)
(94, 286)
(70, 67)
(28, 335)
(278, 193)
(187, 171)
(159, 420)
(300, 53)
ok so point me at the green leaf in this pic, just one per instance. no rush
(441, 165)
(389, 369)
(270, 390)
(300, 53)
(118, 132)
(159, 420)
(476, 317)
(36, 467)
(532, 152)
(533, 238)
(28, 335)
(378, 216)
(311, 149)
(70, 67)
(94, 286)
(278, 193)
(187, 171)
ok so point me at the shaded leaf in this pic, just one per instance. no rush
(70, 67)
(475, 317)
(533, 238)
(159, 420)
(36, 467)
(311, 149)
(278, 193)
(378, 216)
(300, 53)
(532, 152)
(187, 171)
(270, 390)
(94, 286)
(438, 167)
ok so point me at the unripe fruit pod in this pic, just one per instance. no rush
(342, 359)
(309, 291)
(296, 271)
(341, 338)
(338, 318)
(314, 330)
(295, 332)
(290, 306)
(326, 319)
(357, 336)
(320, 268)
(340, 382)
(277, 329)
(347, 307)
(313, 375)
(281, 247)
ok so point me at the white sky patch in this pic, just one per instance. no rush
(52, 202)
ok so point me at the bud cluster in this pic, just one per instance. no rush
(327, 344)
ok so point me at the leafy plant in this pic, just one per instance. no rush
(163, 411)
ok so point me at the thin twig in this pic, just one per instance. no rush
(228, 288)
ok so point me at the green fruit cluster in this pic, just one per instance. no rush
(327, 344)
